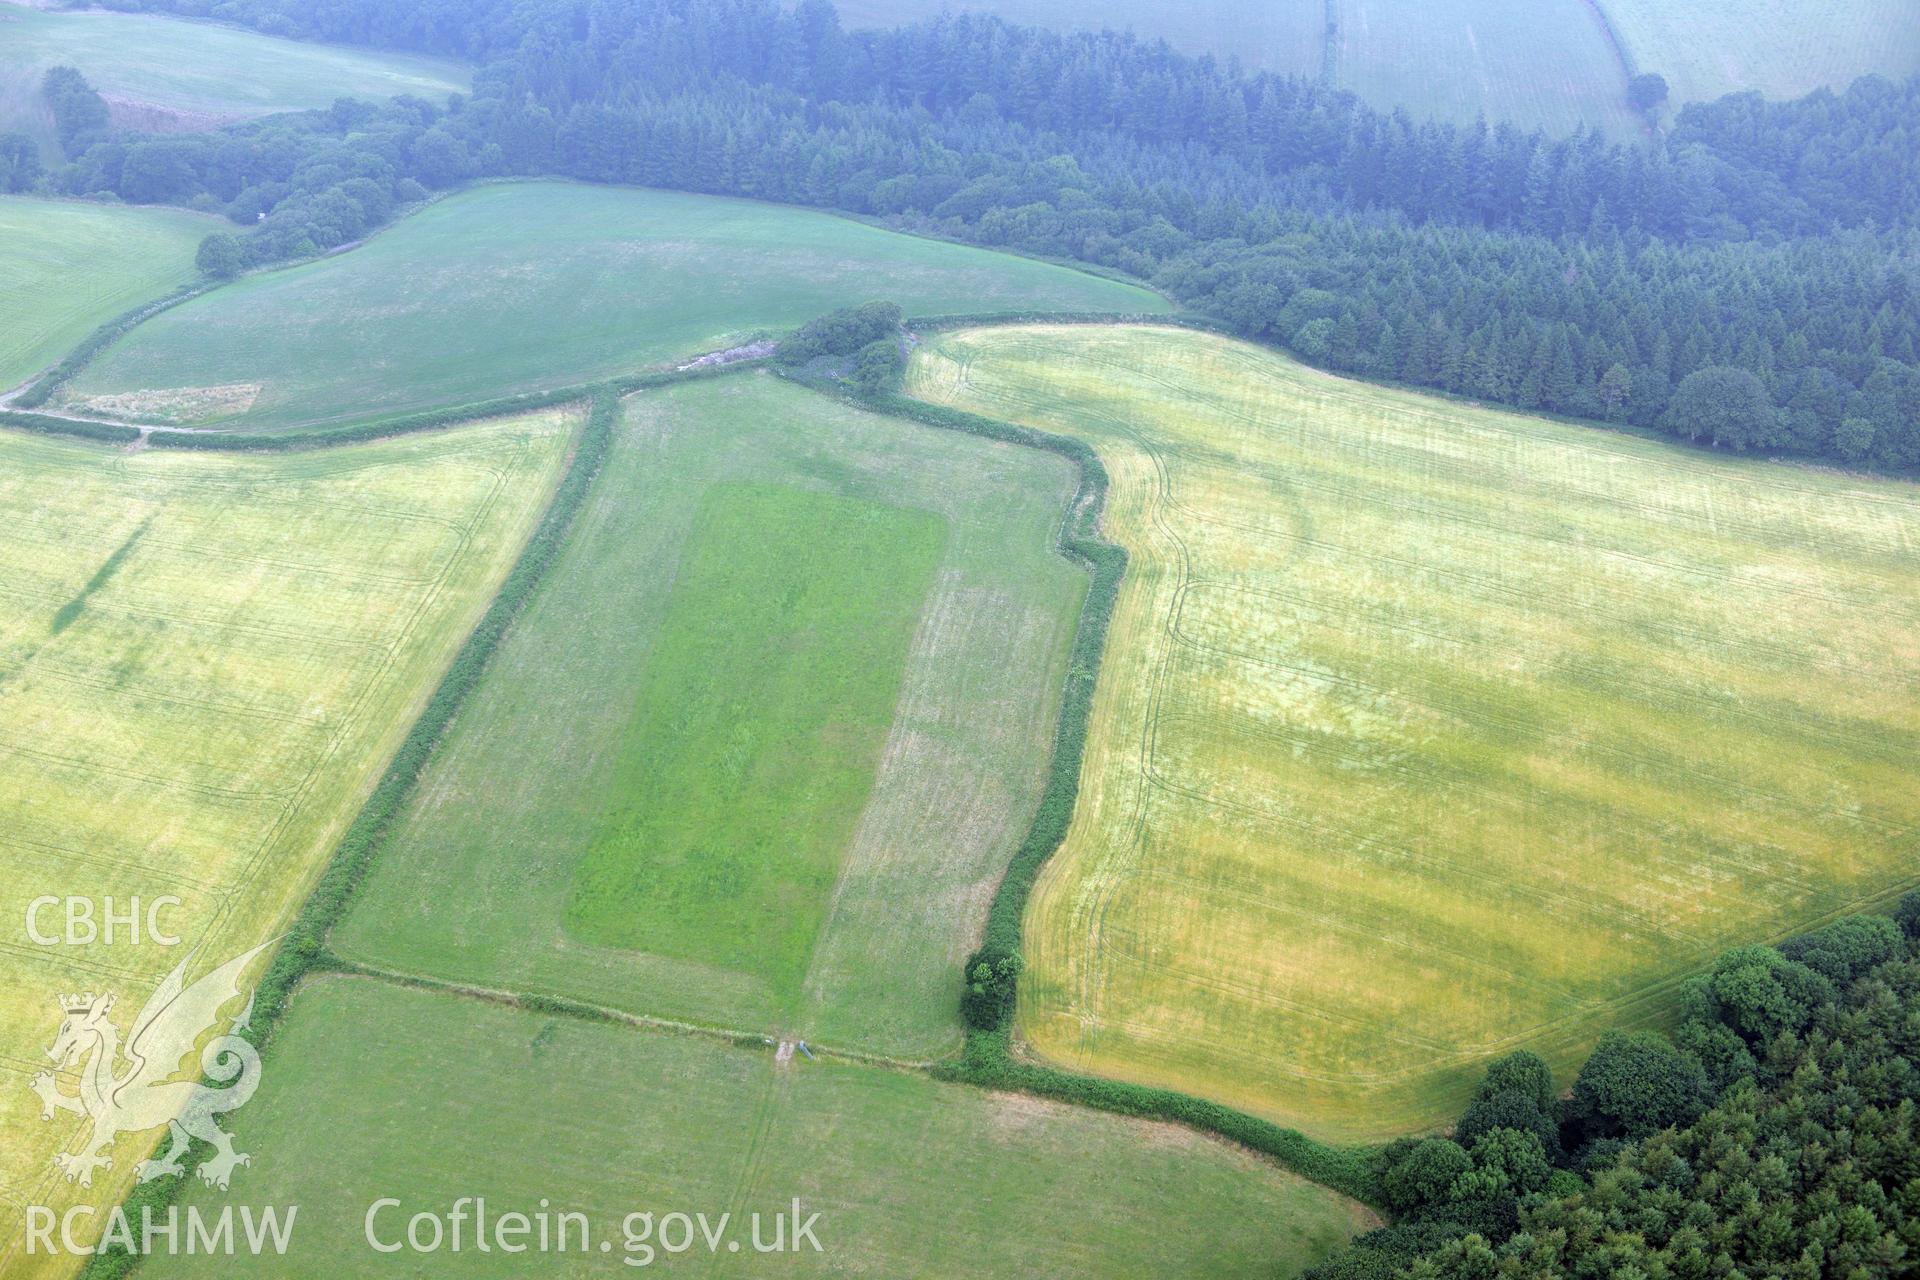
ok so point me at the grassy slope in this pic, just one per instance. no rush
(1426, 731)
(159, 71)
(514, 287)
(67, 267)
(757, 730)
(206, 661)
(474, 885)
(378, 1091)
(1783, 48)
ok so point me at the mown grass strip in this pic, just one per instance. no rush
(988, 1060)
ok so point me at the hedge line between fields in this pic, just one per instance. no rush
(42, 388)
(47, 425)
(988, 1060)
(971, 319)
(303, 950)
(363, 431)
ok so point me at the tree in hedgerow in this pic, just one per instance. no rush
(992, 979)
(878, 367)
(840, 333)
(221, 256)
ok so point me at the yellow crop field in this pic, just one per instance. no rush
(206, 660)
(1426, 732)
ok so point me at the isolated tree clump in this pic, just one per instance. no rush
(840, 333)
(992, 979)
(221, 256)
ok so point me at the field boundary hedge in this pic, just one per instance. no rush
(47, 424)
(987, 1060)
(41, 389)
(363, 431)
(303, 948)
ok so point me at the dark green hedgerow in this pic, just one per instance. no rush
(43, 387)
(972, 319)
(361, 432)
(48, 425)
(988, 1061)
(365, 430)
(304, 948)
(430, 420)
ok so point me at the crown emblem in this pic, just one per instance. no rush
(77, 1004)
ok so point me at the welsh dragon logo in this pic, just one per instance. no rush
(144, 1095)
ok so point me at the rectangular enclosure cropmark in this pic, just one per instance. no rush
(759, 750)
(756, 734)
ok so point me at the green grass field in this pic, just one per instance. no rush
(1426, 732)
(67, 267)
(1783, 48)
(166, 74)
(757, 730)
(205, 662)
(514, 287)
(878, 729)
(374, 1091)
